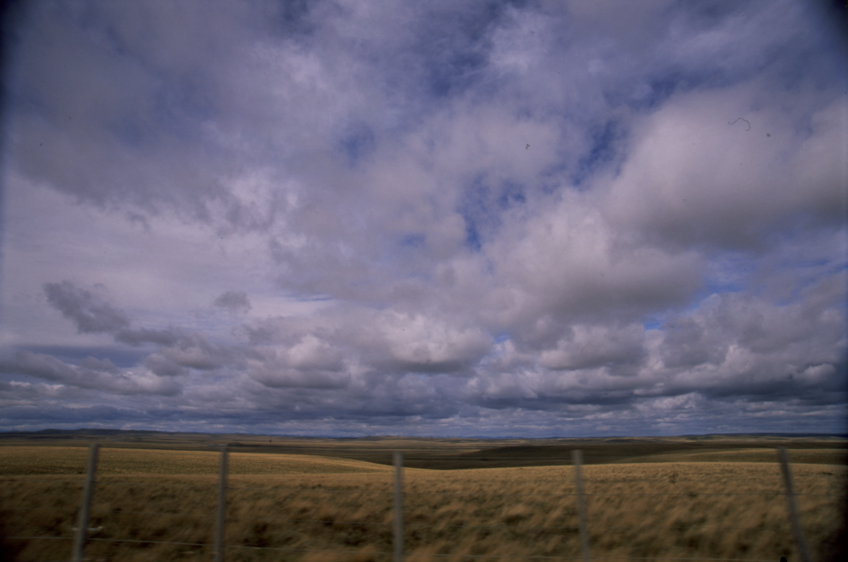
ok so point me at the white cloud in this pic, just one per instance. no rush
(721, 169)
(418, 342)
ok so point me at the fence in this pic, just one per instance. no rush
(85, 534)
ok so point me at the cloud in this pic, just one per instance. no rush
(451, 218)
(571, 262)
(736, 345)
(234, 301)
(92, 374)
(177, 348)
(694, 177)
(138, 336)
(87, 310)
(421, 344)
(595, 346)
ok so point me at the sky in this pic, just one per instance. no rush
(478, 218)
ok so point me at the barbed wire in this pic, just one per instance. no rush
(688, 493)
(40, 538)
(407, 524)
(406, 555)
(105, 478)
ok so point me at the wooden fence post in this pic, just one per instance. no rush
(793, 508)
(398, 506)
(577, 461)
(222, 508)
(85, 508)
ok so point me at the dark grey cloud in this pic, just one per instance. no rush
(139, 336)
(164, 366)
(197, 352)
(234, 301)
(91, 374)
(596, 346)
(178, 349)
(89, 311)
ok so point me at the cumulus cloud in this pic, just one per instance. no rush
(455, 218)
(696, 175)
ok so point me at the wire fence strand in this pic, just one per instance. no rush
(409, 555)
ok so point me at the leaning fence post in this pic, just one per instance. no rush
(398, 506)
(85, 508)
(793, 508)
(222, 508)
(577, 460)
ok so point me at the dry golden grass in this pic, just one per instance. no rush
(311, 507)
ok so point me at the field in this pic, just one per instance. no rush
(722, 499)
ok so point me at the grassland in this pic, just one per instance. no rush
(711, 501)
(451, 454)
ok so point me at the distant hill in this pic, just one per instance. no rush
(454, 453)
